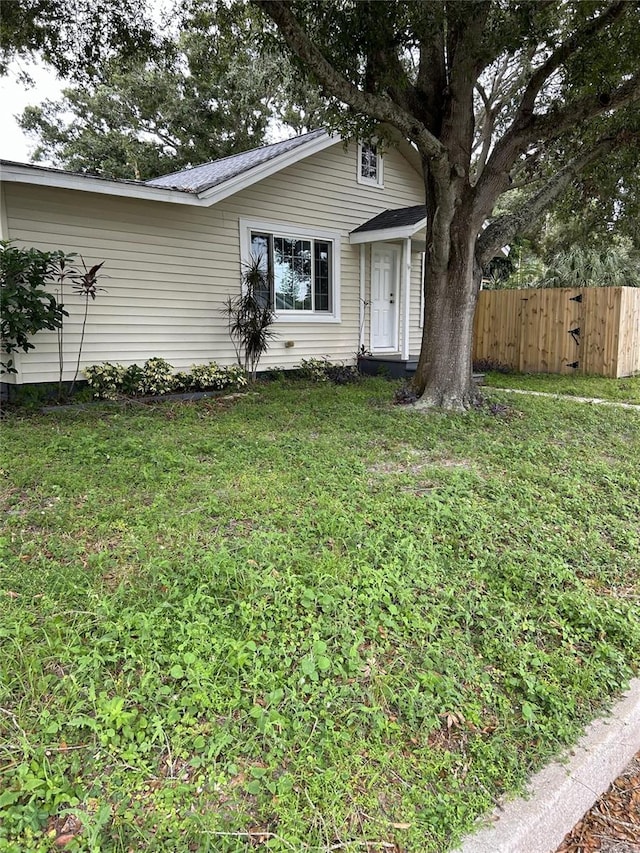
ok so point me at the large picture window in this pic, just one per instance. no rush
(300, 269)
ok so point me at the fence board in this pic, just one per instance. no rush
(629, 339)
(550, 330)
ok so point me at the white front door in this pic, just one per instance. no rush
(384, 298)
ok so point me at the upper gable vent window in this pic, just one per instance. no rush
(369, 164)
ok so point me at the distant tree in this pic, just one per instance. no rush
(494, 94)
(206, 93)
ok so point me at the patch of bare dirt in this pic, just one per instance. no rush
(613, 824)
(402, 466)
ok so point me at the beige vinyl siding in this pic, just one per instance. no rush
(168, 268)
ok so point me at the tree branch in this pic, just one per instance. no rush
(496, 176)
(563, 52)
(554, 123)
(376, 106)
(503, 229)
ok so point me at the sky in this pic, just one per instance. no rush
(14, 145)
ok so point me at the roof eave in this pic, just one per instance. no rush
(14, 173)
(382, 235)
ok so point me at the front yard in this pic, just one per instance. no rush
(304, 620)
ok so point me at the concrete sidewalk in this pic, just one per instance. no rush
(596, 401)
(561, 793)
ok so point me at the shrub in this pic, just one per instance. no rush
(133, 380)
(204, 376)
(235, 377)
(25, 305)
(211, 376)
(106, 380)
(322, 370)
(183, 381)
(343, 374)
(313, 369)
(157, 376)
(488, 365)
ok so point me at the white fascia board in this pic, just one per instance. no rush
(385, 234)
(265, 170)
(15, 173)
(28, 175)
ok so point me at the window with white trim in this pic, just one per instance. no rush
(370, 169)
(301, 268)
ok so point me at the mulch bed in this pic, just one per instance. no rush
(613, 824)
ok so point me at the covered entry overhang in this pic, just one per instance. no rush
(400, 225)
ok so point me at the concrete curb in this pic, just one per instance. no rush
(560, 794)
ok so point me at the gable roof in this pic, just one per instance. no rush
(199, 179)
(391, 224)
(202, 185)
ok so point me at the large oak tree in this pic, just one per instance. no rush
(494, 94)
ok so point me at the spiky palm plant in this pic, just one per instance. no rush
(250, 317)
(580, 266)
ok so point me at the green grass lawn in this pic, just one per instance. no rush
(621, 390)
(304, 620)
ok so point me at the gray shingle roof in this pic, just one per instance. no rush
(208, 175)
(397, 218)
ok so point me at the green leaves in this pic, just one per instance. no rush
(27, 305)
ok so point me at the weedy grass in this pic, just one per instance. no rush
(621, 390)
(304, 620)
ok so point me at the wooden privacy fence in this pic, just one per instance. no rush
(560, 330)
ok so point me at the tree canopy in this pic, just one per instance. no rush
(75, 38)
(205, 91)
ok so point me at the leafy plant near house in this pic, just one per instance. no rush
(205, 376)
(26, 306)
(157, 376)
(109, 381)
(86, 284)
(322, 370)
(250, 317)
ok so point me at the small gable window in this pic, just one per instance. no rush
(369, 164)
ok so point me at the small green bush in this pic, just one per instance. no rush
(313, 369)
(106, 380)
(183, 381)
(205, 376)
(133, 380)
(234, 377)
(26, 306)
(322, 370)
(156, 377)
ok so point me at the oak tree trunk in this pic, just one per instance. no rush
(443, 377)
